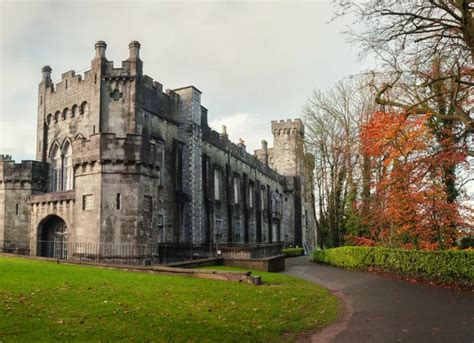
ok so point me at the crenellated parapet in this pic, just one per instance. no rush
(33, 173)
(288, 127)
(106, 147)
(237, 151)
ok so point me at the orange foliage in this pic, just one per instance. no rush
(409, 205)
(359, 241)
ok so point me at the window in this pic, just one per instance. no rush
(262, 198)
(17, 209)
(73, 110)
(67, 170)
(217, 184)
(118, 201)
(64, 115)
(237, 230)
(148, 204)
(236, 190)
(61, 168)
(161, 227)
(87, 202)
(161, 145)
(56, 169)
(83, 109)
(219, 224)
(251, 195)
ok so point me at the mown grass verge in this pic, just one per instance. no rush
(448, 266)
(45, 301)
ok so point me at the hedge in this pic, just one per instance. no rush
(292, 252)
(452, 266)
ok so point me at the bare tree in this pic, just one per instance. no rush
(333, 119)
(427, 48)
(415, 26)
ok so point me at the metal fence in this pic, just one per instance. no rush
(140, 254)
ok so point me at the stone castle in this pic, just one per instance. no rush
(120, 161)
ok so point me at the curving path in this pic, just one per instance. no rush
(381, 309)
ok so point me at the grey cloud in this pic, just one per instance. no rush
(262, 59)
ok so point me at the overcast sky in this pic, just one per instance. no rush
(254, 62)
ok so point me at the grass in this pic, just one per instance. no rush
(45, 301)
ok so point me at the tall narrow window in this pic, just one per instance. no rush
(161, 145)
(67, 170)
(219, 224)
(55, 169)
(17, 209)
(236, 190)
(217, 184)
(250, 195)
(118, 201)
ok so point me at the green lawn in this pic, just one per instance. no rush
(45, 301)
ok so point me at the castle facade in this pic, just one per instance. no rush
(120, 161)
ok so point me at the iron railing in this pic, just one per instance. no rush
(140, 254)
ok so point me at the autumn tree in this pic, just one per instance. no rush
(409, 204)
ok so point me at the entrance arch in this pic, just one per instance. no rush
(52, 237)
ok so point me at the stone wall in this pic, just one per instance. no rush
(148, 164)
(18, 181)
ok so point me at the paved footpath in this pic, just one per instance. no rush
(388, 310)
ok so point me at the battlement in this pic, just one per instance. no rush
(221, 141)
(289, 126)
(26, 171)
(106, 147)
(5, 157)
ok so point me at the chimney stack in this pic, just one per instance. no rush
(134, 48)
(265, 152)
(100, 47)
(242, 143)
(46, 74)
(224, 132)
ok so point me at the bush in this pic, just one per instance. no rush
(453, 266)
(293, 252)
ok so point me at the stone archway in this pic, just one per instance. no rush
(52, 238)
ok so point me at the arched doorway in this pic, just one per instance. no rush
(52, 237)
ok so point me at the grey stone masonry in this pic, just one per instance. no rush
(121, 160)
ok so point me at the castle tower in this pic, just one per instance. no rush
(288, 148)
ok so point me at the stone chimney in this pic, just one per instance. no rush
(46, 74)
(224, 132)
(265, 152)
(134, 48)
(100, 48)
(242, 143)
